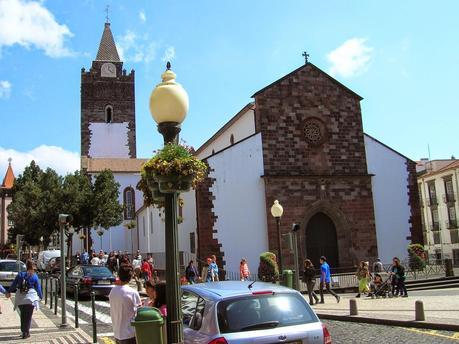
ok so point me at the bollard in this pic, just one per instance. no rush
(46, 288)
(51, 296)
(94, 324)
(56, 295)
(41, 281)
(419, 311)
(353, 307)
(75, 296)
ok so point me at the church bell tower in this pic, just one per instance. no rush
(107, 105)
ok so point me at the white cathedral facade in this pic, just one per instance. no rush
(230, 216)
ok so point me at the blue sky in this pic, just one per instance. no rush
(402, 57)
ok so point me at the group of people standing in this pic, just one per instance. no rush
(210, 271)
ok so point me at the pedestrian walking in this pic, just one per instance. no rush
(2, 291)
(378, 266)
(124, 302)
(95, 259)
(398, 278)
(244, 270)
(28, 296)
(146, 272)
(206, 274)
(325, 279)
(191, 273)
(363, 276)
(309, 277)
(85, 258)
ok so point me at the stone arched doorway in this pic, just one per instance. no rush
(321, 240)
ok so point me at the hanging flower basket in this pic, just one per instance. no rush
(174, 168)
(174, 183)
(153, 185)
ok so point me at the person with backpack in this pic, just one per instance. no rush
(28, 296)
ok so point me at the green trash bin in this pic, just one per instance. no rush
(287, 278)
(148, 325)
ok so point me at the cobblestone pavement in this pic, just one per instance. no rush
(348, 332)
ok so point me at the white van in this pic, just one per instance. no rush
(45, 256)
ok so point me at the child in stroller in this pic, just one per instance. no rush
(379, 287)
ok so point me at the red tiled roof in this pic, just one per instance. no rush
(453, 165)
(8, 181)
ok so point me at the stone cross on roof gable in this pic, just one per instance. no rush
(107, 48)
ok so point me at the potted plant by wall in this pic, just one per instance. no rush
(174, 168)
(268, 270)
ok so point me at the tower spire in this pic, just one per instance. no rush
(107, 48)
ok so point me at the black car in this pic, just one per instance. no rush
(90, 277)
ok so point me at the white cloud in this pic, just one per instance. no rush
(30, 23)
(351, 58)
(135, 48)
(169, 54)
(5, 89)
(142, 16)
(57, 158)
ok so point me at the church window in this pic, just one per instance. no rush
(314, 132)
(108, 114)
(129, 203)
(232, 139)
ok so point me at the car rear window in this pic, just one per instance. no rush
(263, 311)
(11, 266)
(97, 271)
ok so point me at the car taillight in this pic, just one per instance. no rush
(327, 337)
(263, 292)
(87, 280)
(220, 340)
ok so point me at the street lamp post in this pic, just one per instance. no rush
(100, 232)
(276, 212)
(64, 221)
(168, 106)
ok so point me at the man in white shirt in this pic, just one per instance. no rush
(95, 260)
(123, 307)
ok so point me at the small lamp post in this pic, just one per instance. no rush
(64, 222)
(276, 212)
(168, 107)
(100, 231)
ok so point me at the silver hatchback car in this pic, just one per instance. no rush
(233, 312)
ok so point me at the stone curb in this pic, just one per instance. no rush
(390, 322)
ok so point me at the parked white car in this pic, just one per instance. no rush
(45, 256)
(9, 271)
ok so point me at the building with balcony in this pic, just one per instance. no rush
(438, 183)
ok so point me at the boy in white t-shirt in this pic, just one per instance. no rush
(123, 307)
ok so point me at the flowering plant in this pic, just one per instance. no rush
(175, 159)
(268, 270)
(417, 256)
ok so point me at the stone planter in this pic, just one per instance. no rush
(174, 183)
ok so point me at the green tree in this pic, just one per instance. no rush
(108, 211)
(36, 203)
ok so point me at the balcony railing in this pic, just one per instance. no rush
(449, 198)
(432, 202)
(451, 224)
(435, 226)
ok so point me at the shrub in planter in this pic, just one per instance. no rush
(174, 168)
(268, 270)
(417, 257)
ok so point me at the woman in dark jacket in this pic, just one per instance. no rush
(398, 278)
(309, 277)
(27, 297)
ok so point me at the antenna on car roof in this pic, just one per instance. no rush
(250, 285)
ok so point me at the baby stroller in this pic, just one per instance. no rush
(380, 286)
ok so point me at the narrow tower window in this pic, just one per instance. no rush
(108, 114)
(232, 139)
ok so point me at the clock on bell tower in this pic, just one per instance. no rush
(107, 105)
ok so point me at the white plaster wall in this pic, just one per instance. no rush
(242, 128)
(109, 140)
(390, 198)
(239, 203)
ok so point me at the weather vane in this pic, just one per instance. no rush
(107, 18)
(9, 160)
(306, 57)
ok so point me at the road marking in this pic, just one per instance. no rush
(104, 304)
(70, 316)
(433, 333)
(104, 318)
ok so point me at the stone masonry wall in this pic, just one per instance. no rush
(97, 93)
(413, 196)
(314, 159)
